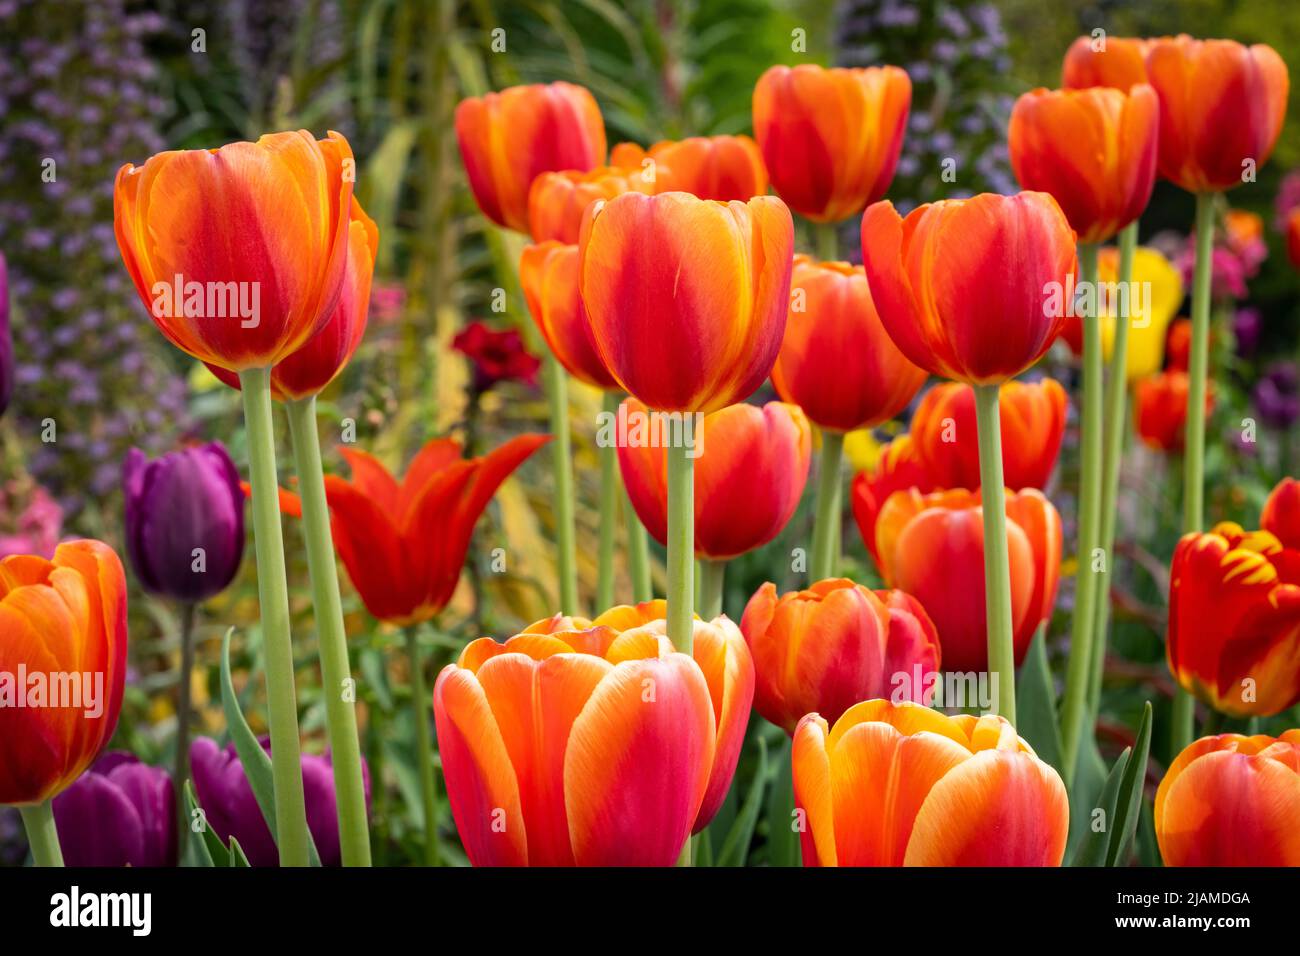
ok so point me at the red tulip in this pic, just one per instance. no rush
(548, 273)
(899, 469)
(1281, 514)
(558, 200)
(1160, 413)
(1117, 62)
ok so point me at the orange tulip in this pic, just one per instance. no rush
(508, 139)
(1178, 345)
(591, 742)
(557, 200)
(826, 648)
(748, 478)
(1160, 413)
(964, 287)
(709, 167)
(836, 361)
(1231, 801)
(902, 785)
(1234, 620)
(899, 469)
(1120, 63)
(1221, 109)
(1281, 514)
(829, 163)
(1033, 423)
(62, 666)
(1094, 150)
(686, 296)
(548, 273)
(239, 253)
(932, 547)
(404, 543)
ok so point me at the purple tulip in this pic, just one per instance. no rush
(1277, 396)
(1247, 323)
(120, 812)
(227, 800)
(6, 341)
(183, 502)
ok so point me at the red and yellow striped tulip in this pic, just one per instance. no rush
(558, 200)
(903, 785)
(1281, 515)
(1118, 62)
(1234, 620)
(591, 743)
(963, 285)
(63, 620)
(686, 296)
(184, 220)
(709, 167)
(837, 362)
(829, 163)
(1231, 801)
(749, 475)
(548, 273)
(508, 139)
(827, 647)
(898, 469)
(1160, 409)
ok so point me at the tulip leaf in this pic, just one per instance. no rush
(1129, 804)
(237, 858)
(735, 848)
(1085, 788)
(1036, 720)
(782, 841)
(199, 839)
(1093, 848)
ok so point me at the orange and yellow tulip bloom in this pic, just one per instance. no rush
(1033, 422)
(748, 478)
(558, 200)
(184, 220)
(1160, 409)
(962, 285)
(404, 542)
(591, 742)
(829, 163)
(1221, 109)
(1234, 620)
(510, 138)
(687, 297)
(837, 362)
(898, 469)
(1118, 62)
(548, 273)
(1094, 150)
(903, 785)
(1281, 515)
(63, 620)
(825, 648)
(932, 547)
(709, 167)
(1231, 800)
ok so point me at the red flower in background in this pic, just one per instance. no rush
(497, 356)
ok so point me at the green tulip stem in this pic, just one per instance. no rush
(609, 494)
(997, 567)
(557, 395)
(638, 552)
(681, 554)
(825, 560)
(420, 707)
(713, 575)
(181, 759)
(828, 241)
(42, 835)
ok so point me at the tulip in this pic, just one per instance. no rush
(64, 620)
(548, 272)
(1293, 237)
(828, 164)
(902, 785)
(827, 647)
(899, 469)
(6, 341)
(508, 139)
(1231, 800)
(1032, 415)
(1234, 620)
(1281, 515)
(1118, 62)
(557, 200)
(709, 167)
(1178, 346)
(120, 812)
(223, 793)
(552, 756)
(932, 547)
(1276, 396)
(1094, 150)
(1160, 413)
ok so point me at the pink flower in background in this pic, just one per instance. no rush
(31, 522)
(387, 299)
(1288, 199)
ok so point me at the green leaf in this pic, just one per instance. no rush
(1129, 803)
(1085, 788)
(1036, 704)
(237, 858)
(202, 839)
(1093, 849)
(735, 848)
(782, 841)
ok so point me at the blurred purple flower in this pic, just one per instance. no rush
(1247, 325)
(1277, 396)
(120, 812)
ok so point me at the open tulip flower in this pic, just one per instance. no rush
(592, 742)
(508, 139)
(1118, 62)
(1234, 620)
(828, 164)
(557, 200)
(1160, 409)
(548, 272)
(898, 469)
(932, 547)
(708, 167)
(827, 647)
(903, 785)
(1231, 800)
(1281, 514)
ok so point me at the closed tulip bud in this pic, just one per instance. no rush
(748, 478)
(837, 362)
(64, 627)
(828, 164)
(120, 812)
(592, 743)
(1281, 514)
(184, 221)
(708, 167)
(1234, 620)
(902, 785)
(184, 521)
(1093, 150)
(898, 469)
(1231, 800)
(508, 139)
(6, 341)
(1118, 62)
(548, 273)
(557, 200)
(932, 547)
(971, 289)
(687, 297)
(1033, 422)
(827, 647)
(1160, 409)
(1221, 109)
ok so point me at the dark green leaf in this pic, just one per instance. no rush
(1093, 848)
(735, 848)
(1129, 803)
